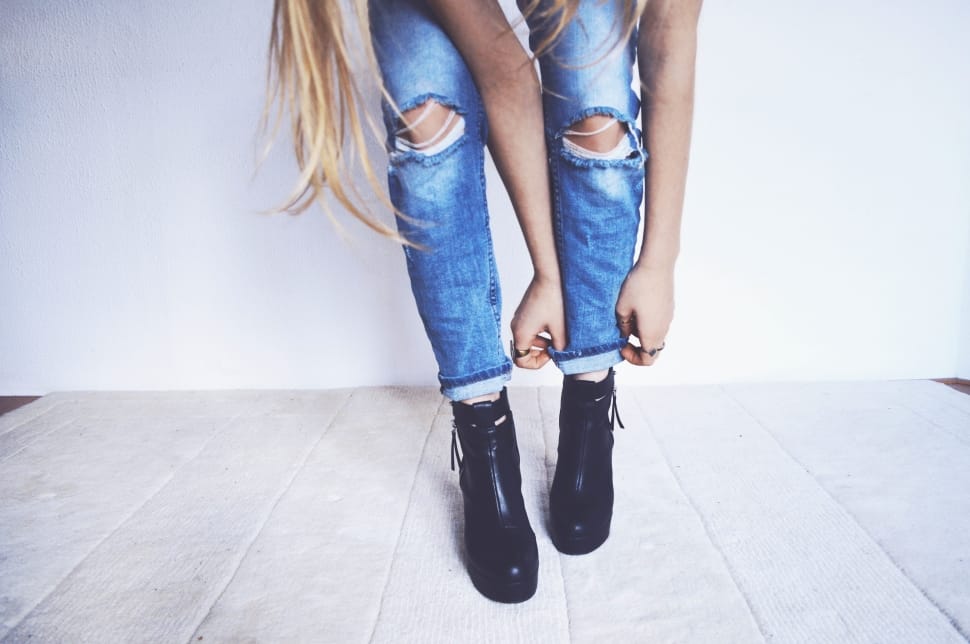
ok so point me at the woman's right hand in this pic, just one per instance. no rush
(541, 310)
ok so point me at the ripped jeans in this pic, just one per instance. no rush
(596, 196)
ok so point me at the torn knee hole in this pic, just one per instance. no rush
(429, 128)
(599, 136)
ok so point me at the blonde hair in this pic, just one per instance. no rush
(556, 17)
(311, 77)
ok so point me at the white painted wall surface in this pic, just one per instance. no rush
(826, 232)
(963, 366)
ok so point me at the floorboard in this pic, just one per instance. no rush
(781, 512)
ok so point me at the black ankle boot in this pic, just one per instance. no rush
(581, 500)
(503, 560)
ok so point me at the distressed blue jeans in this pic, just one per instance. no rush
(596, 198)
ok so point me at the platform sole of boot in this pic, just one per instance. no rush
(582, 546)
(506, 593)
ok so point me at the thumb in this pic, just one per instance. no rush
(559, 339)
(521, 341)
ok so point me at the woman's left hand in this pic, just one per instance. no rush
(644, 310)
(541, 310)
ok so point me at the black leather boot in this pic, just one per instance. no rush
(581, 500)
(503, 561)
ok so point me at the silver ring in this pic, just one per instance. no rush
(654, 351)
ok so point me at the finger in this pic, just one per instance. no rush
(536, 356)
(623, 312)
(638, 355)
(535, 360)
(645, 358)
(652, 345)
(631, 354)
(559, 340)
(627, 324)
(521, 345)
(541, 342)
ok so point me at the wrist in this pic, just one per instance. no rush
(657, 261)
(547, 276)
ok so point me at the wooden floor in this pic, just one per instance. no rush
(800, 512)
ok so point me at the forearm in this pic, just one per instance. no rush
(511, 94)
(518, 148)
(667, 53)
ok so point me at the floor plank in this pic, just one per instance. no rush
(330, 539)
(785, 512)
(72, 487)
(154, 577)
(24, 413)
(808, 570)
(903, 475)
(429, 597)
(658, 578)
(9, 403)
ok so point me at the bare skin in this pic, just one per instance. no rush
(667, 53)
(601, 142)
(510, 92)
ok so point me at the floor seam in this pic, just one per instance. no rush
(941, 400)
(36, 438)
(949, 618)
(245, 551)
(404, 516)
(545, 462)
(34, 417)
(949, 400)
(959, 438)
(704, 523)
(121, 523)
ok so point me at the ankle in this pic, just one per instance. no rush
(492, 397)
(577, 394)
(591, 376)
(488, 410)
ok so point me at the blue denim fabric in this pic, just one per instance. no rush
(596, 201)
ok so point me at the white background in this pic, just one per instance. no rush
(826, 233)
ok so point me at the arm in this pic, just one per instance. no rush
(667, 52)
(509, 87)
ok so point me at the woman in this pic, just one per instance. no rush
(572, 159)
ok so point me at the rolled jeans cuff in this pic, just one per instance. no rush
(586, 360)
(486, 382)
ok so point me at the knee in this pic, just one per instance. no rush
(600, 136)
(428, 128)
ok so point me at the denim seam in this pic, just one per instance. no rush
(561, 356)
(492, 286)
(557, 210)
(484, 374)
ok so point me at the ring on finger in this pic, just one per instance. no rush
(654, 351)
(519, 353)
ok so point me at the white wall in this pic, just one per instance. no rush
(826, 234)
(963, 364)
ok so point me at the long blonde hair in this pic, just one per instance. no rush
(311, 78)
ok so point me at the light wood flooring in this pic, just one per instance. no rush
(795, 512)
